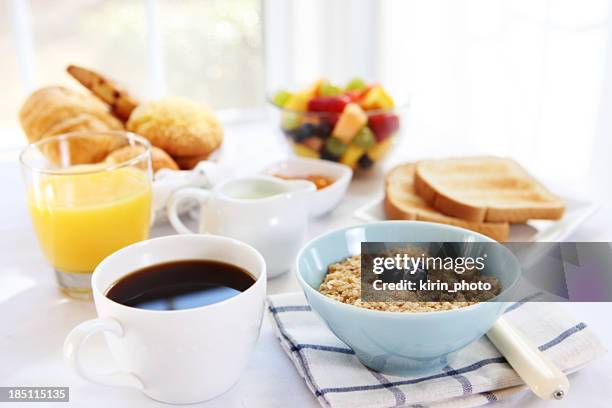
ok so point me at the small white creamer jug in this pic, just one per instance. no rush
(266, 212)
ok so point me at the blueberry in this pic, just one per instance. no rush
(291, 133)
(326, 155)
(309, 128)
(365, 162)
(324, 129)
(297, 135)
(304, 132)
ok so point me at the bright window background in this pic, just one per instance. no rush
(518, 78)
(208, 50)
(522, 78)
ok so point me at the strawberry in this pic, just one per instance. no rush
(331, 104)
(383, 125)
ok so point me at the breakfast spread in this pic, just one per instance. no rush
(483, 194)
(352, 125)
(97, 199)
(182, 132)
(320, 181)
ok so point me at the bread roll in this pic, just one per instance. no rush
(159, 158)
(180, 127)
(189, 162)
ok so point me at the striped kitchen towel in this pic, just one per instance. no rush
(479, 374)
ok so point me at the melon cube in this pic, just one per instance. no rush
(304, 151)
(376, 152)
(351, 155)
(352, 119)
(377, 98)
(297, 102)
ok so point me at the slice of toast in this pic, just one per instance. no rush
(479, 189)
(402, 203)
(121, 103)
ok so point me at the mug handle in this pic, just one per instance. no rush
(79, 336)
(176, 199)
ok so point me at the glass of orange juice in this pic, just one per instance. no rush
(84, 206)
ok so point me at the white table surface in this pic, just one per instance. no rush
(35, 317)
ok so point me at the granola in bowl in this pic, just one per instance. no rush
(343, 283)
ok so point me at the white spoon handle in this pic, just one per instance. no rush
(544, 378)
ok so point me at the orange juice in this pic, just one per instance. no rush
(81, 218)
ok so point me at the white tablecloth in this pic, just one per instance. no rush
(35, 317)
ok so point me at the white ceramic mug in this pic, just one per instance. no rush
(179, 356)
(269, 213)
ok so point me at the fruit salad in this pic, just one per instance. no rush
(352, 124)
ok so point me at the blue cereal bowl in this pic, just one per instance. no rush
(400, 343)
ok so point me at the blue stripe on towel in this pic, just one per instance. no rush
(489, 396)
(292, 308)
(563, 336)
(465, 383)
(400, 397)
(462, 370)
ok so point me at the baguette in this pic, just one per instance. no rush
(402, 203)
(485, 189)
(120, 102)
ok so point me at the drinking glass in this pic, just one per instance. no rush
(83, 206)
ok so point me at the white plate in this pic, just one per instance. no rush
(576, 211)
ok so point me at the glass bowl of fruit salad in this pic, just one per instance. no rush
(355, 124)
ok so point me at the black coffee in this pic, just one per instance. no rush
(180, 285)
